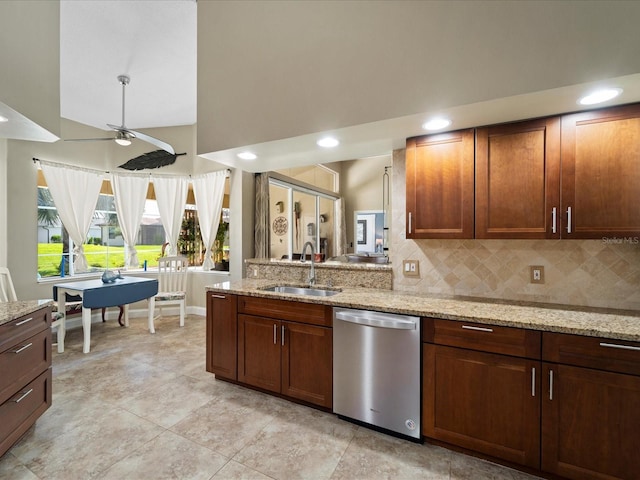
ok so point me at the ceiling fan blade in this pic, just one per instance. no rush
(153, 141)
(86, 139)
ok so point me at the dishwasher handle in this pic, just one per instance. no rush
(383, 321)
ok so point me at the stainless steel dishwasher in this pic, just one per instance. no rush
(376, 369)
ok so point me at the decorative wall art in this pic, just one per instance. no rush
(361, 234)
(280, 225)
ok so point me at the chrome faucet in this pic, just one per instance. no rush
(312, 273)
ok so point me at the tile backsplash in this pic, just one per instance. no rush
(594, 273)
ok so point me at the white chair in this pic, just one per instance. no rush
(172, 287)
(8, 294)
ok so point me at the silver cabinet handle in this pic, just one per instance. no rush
(553, 220)
(24, 347)
(622, 347)
(568, 219)
(282, 335)
(409, 222)
(24, 321)
(533, 382)
(218, 296)
(23, 396)
(550, 384)
(275, 333)
(478, 329)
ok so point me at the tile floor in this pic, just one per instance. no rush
(142, 406)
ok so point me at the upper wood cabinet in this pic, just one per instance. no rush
(439, 180)
(601, 173)
(518, 180)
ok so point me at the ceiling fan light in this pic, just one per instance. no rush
(123, 139)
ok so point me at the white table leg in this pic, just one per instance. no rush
(86, 328)
(126, 315)
(152, 304)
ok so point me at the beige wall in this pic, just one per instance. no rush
(3, 202)
(30, 39)
(577, 272)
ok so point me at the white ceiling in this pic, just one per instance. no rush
(154, 43)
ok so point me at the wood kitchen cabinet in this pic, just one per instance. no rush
(518, 180)
(25, 382)
(222, 335)
(590, 414)
(440, 185)
(601, 173)
(293, 358)
(480, 391)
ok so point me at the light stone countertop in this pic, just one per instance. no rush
(11, 310)
(613, 324)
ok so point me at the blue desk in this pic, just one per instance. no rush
(96, 294)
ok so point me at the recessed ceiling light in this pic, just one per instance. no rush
(247, 156)
(328, 142)
(436, 124)
(600, 96)
(3, 119)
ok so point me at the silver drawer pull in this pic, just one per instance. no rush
(550, 384)
(478, 329)
(553, 220)
(533, 382)
(622, 347)
(24, 321)
(218, 296)
(22, 348)
(24, 395)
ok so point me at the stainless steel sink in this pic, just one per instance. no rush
(316, 292)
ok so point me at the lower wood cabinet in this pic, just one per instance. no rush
(25, 374)
(286, 357)
(480, 391)
(591, 416)
(281, 346)
(222, 335)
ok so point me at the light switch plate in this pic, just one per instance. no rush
(536, 273)
(411, 268)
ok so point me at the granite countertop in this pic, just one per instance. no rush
(614, 324)
(11, 310)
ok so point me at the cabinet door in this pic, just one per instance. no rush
(590, 422)
(222, 335)
(482, 401)
(518, 180)
(439, 180)
(307, 363)
(601, 173)
(259, 352)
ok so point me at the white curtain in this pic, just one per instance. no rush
(171, 195)
(75, 194)
(209, 192)
(130, 193)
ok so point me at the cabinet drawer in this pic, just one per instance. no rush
(310, 313)
(25, 361)
(592, 352)
(24, 327)
(20, 411)
(517, 342)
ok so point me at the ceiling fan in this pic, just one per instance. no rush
(124, 135)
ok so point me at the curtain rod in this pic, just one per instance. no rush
(132, 174)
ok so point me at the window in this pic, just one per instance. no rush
(105, 247)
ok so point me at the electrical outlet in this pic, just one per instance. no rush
(255, 272)
(536, 273)
(411, 268)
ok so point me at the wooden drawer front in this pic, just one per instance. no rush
(24, 327)
(310, 313)
(593, 352)
(517, 342)
(20, 411)
(24, 362)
